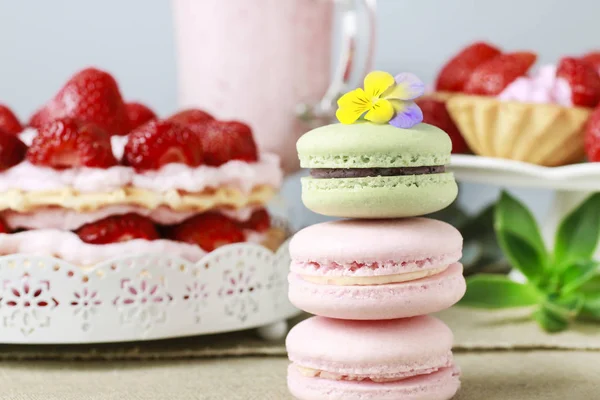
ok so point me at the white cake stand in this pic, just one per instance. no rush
(571, 183)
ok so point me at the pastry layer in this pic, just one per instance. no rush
(223, 197)
(67, 246)
(70, 220)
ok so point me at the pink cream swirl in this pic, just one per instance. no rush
(542, 87)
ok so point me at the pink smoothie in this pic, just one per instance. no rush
(255, 61)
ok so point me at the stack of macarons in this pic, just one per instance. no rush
(372, 279)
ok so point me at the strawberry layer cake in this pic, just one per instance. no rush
(92, 178)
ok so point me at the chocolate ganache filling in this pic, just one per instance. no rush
(329, 173)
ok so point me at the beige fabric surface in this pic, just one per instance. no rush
(495, 375)
(513, 329)
(473, 330)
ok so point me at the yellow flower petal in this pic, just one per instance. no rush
(378, 82)
(352, 105)
(381, 112)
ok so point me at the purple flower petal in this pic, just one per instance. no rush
(408, 114)
(408, 87)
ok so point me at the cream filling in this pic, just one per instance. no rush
(372, 280)
(315, 373)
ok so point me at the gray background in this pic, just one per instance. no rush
(43, 42)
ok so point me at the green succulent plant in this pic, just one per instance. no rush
(563, 284)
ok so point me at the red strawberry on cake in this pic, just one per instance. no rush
(91, 95)
(209, 231)
(138, 114)
(224, 141)
(3, 227)
(192, 118)
(158, 143)
(118, 228)
(259, 221)
(67, 143)
(12, 150)
(9, 123)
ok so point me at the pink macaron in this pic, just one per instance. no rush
(409, 359)
(376, 269)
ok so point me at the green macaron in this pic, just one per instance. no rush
(367, 170)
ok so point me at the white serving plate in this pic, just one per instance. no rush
(583, 177)
(571, 183)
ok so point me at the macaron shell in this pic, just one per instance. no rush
(397, 246)
(367, 145)
(379, 197)
(374, 348)
(440, 385)
(399, 300)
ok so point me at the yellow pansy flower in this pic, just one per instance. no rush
(384, 99)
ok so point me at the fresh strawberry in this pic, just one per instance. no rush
(223, 141)
(455, 74)
(118, 228)
(436, 113)
(593, 58)
(12, 150)
(592, 136)
(493, 76)
(157, 143)
(3, 227)
(583, 79)
(259, 221)
(208, 231)
(67, 143)
(138, 114)
(191, 117)
(9, 122)
(91, 96)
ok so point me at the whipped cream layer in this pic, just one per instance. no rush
(67, 246)
(542, 87)
(237, 174)
(70, 220)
